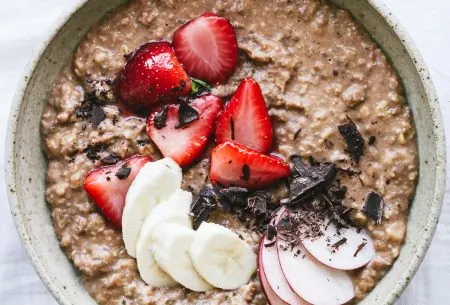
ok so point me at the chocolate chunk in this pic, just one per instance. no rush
(160, 119)
(123, 172)
(92, 151)
(186, 114)
(374, 207)
(257, 204)
(111, 159)
(202, 206)
(98, 115)
(271, 232)
(245, 172)
(91, 109)
(309, 181)
(235, 195)
(354, 140)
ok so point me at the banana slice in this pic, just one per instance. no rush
(171, 243)
(155, 182)
(174, 210)
(221, 257)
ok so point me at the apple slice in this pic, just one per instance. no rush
(344, 249)
(311, 280)
(269, 265)
(271, 296)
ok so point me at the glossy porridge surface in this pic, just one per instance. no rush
(315, 65)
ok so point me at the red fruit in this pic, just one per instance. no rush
(245, 118)
(233, 164)
(108, 186)
(152, 76)
(207, 47)
(184, 144)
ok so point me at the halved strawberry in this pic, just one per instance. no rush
(108, 186)
(234, 164)
(152, 76)
(245, 118)
(183, 135)
(207, 48)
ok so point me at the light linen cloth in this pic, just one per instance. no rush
(23, 26)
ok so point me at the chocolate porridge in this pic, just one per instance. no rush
(317, 68)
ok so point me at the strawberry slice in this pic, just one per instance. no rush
(181, 132)
(245, 118)
(207, 48)
(233, 164)
(108, 186)
(152, 76)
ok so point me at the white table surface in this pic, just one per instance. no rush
(23, 26)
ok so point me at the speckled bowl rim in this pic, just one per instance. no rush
(422, 71)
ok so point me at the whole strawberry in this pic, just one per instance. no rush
(152, 76)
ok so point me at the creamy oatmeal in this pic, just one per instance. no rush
(316, 67)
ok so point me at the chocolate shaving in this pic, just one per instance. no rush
(123, 172)
(159, 121)
(372, 140)
(186, 114)
(111, 159)
(339, 243)
(360, 247)
(309, 181)
(353, 138)
(374, 206)
(297, 133)
(245, 172)
(270, 244)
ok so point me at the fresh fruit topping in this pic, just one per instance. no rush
(108, 186)
(271, 296)
(270, 268)
(309, 279)
(155, 183)
(181, 132)
(221, 257)
(245, 118)
(207, 47)
(152, 76)
(233, 164)
(173, 210)
(171, 243)
(341, 248)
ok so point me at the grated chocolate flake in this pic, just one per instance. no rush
(186, 114)
(339, 243)
(123, 172)
(111, 159)
(271, 232)
(160, 119)
(353, 138)
(360, 247)
(374, 206)
(91, 109)
(92, 151)
(245, 172)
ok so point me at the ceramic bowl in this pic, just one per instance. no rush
(26, 165)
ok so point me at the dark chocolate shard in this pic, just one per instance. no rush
(257, 204)
(186, 114)
(111, 159)
(123, 172)
(98, 115)
(203, 205)
(92, 151)
(372, 140)
(353, 138)
(160, 119)
(309, 181)
(374, 207)
(245, 172)
(235, 195)
(271, 232)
